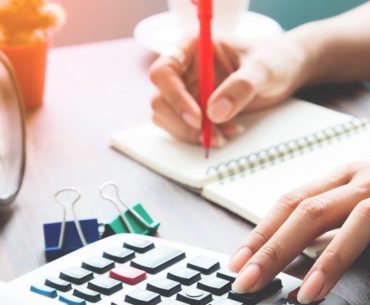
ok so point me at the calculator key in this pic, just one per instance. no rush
(44, 291)
(227, 275)
(158, 259)
(222, 301)
(142, 297)
(128, 275)
(120, 303)
(98, 265)
(214, 285)
(204, 265)
(194, 296)
(139, 245)
(119, 255)
(87, 294)
(164, 287)
(106, 286)
(76, 275)
(184, 276)
(253, 298)
(58, 284)
(71, 300)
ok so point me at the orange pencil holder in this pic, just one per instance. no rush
(29, 63)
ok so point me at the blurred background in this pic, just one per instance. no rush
(95, 20)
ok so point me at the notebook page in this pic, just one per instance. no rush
(186, 164)
(253, 195)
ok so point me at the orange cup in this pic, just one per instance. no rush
(29, 63)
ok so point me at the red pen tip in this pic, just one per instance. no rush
(207, 153)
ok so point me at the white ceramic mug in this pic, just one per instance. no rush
(227, 13)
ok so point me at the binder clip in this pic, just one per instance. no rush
(133, 219)
(67, 236)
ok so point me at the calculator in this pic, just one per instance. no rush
(128, 269)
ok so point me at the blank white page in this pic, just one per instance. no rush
(186, 164)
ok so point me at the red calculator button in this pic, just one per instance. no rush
(292, 297)
(128, 275)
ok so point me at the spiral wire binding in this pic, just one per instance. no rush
(284, 151)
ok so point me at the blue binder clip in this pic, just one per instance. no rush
(67, 236)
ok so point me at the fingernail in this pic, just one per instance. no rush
(247, 279)
(234, 130)
(218, 141)
(311, 288)
(238, 260)
(191, 121)
(220, 109)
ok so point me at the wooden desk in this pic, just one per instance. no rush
(92, 91)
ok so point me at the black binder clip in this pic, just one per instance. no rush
(67, 236)
(131, 219)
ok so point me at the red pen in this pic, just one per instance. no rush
(206, 67)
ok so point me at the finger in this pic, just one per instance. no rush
(166, 74)
(350, 242)
(166, 118)
(237, 91)
(312, 217)
(280, 212)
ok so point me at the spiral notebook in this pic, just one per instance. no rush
(283, 147)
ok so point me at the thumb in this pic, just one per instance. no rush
(237, 91)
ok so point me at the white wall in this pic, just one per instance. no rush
(94, 20)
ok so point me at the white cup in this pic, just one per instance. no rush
(227, 13)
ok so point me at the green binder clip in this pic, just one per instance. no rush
(131, 219)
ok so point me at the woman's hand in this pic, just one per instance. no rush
(248, 77)
(341, 199)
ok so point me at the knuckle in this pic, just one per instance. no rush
(259, 236)
(156, 103)
(271, 252)
(313, 208)
(331, 257)
(289, 201)
(242, 82)
(363, 209)
(154, 72)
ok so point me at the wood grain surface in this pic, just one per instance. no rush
(92, 91)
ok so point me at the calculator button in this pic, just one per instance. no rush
(128, 275)
(204, 265)
(253, 298)
(71, 300)
(158, 259)
(44, 291)
(184, 276)
(58, 284)
(76, 275)
(87, 294)
(194, 296)
(139, 245)
(226, 275)
(142, 297)
(214, 285)
(119, 255)
(164, 287)
(222, 301)
(284, 302)
(98, 265)
(106, 286)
